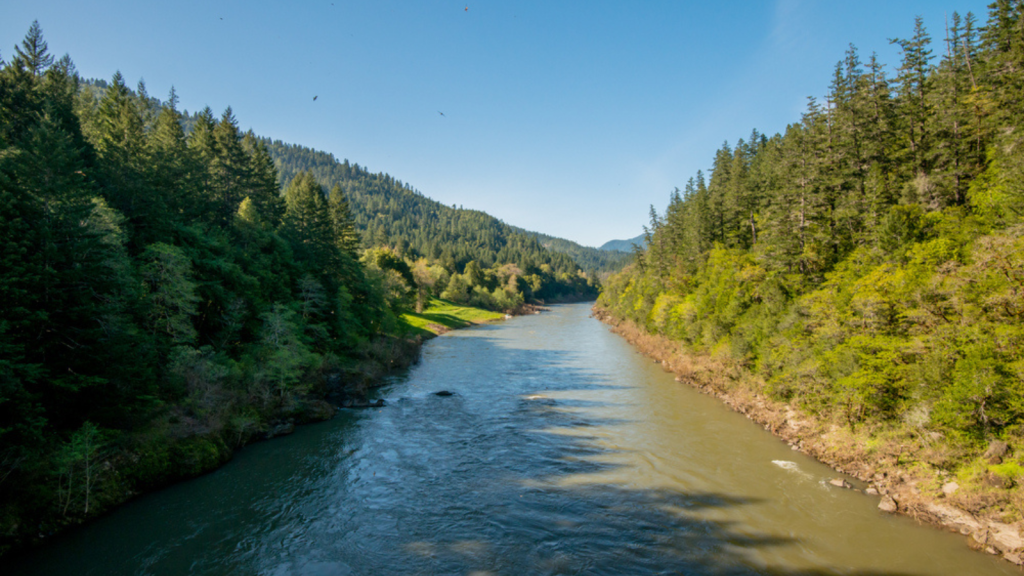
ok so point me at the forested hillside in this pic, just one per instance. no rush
(595, 260)
(163, 301)
(390, 213)
(868, 264)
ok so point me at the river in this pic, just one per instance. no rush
(563, 451)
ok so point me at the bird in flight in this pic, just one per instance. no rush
(315, 97)
(441, 113)
(467, 8)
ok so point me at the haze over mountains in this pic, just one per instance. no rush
(624, 245)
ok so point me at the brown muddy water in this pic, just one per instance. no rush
(562, 452)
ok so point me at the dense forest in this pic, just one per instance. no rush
(596, 261)
(163, 299)
(390, 213)
(868, 264)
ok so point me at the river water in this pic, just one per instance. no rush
(562, 452)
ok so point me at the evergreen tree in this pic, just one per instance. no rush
(231, 174)
(33, 54)
(263, 187)
(914, 110)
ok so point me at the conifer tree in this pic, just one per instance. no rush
(229, 168)
(117, 132)
(307, 223)
(33, 54)
(263, 187)
(176, 171)
(914, 110)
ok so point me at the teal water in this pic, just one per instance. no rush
(562, 452)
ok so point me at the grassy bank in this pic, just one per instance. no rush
(441, 316)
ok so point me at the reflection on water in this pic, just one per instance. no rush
(562, 452)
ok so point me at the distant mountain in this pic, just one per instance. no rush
(624, 245)
(595, 259)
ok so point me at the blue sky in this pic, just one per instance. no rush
(568, 118)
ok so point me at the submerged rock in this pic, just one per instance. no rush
(444, 393)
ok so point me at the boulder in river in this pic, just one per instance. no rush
(280, 429)
(887, 504)
(363, 403)
(840, 483)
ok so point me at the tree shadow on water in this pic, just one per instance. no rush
(566, 505)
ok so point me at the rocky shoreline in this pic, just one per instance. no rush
(900, 489)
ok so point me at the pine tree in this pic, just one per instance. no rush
(308, 225)
(33, 54)
(118, 134)
(263, 187)
(914, 111)
(229, 167)
(345, 234)
(176, 170)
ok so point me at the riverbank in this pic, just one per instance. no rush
(895, 467)
(180, 446)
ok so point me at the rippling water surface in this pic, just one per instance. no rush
(562, 452)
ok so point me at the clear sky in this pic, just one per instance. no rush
(566, 117)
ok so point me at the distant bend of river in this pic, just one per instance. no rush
(563, 451)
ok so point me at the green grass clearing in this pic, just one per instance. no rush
(442, 315)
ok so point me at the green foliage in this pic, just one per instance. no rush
(868, 262)
(160, 298)
(388, 213)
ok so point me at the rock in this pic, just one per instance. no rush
(887, 504)
(996, 450)
(997, 481)
(871, 491)
(949, 488)
(444, 393)
(1005, 538)
(956, 519)
(280, 430)
(840, 483)
(364, 403)
(316, 411)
